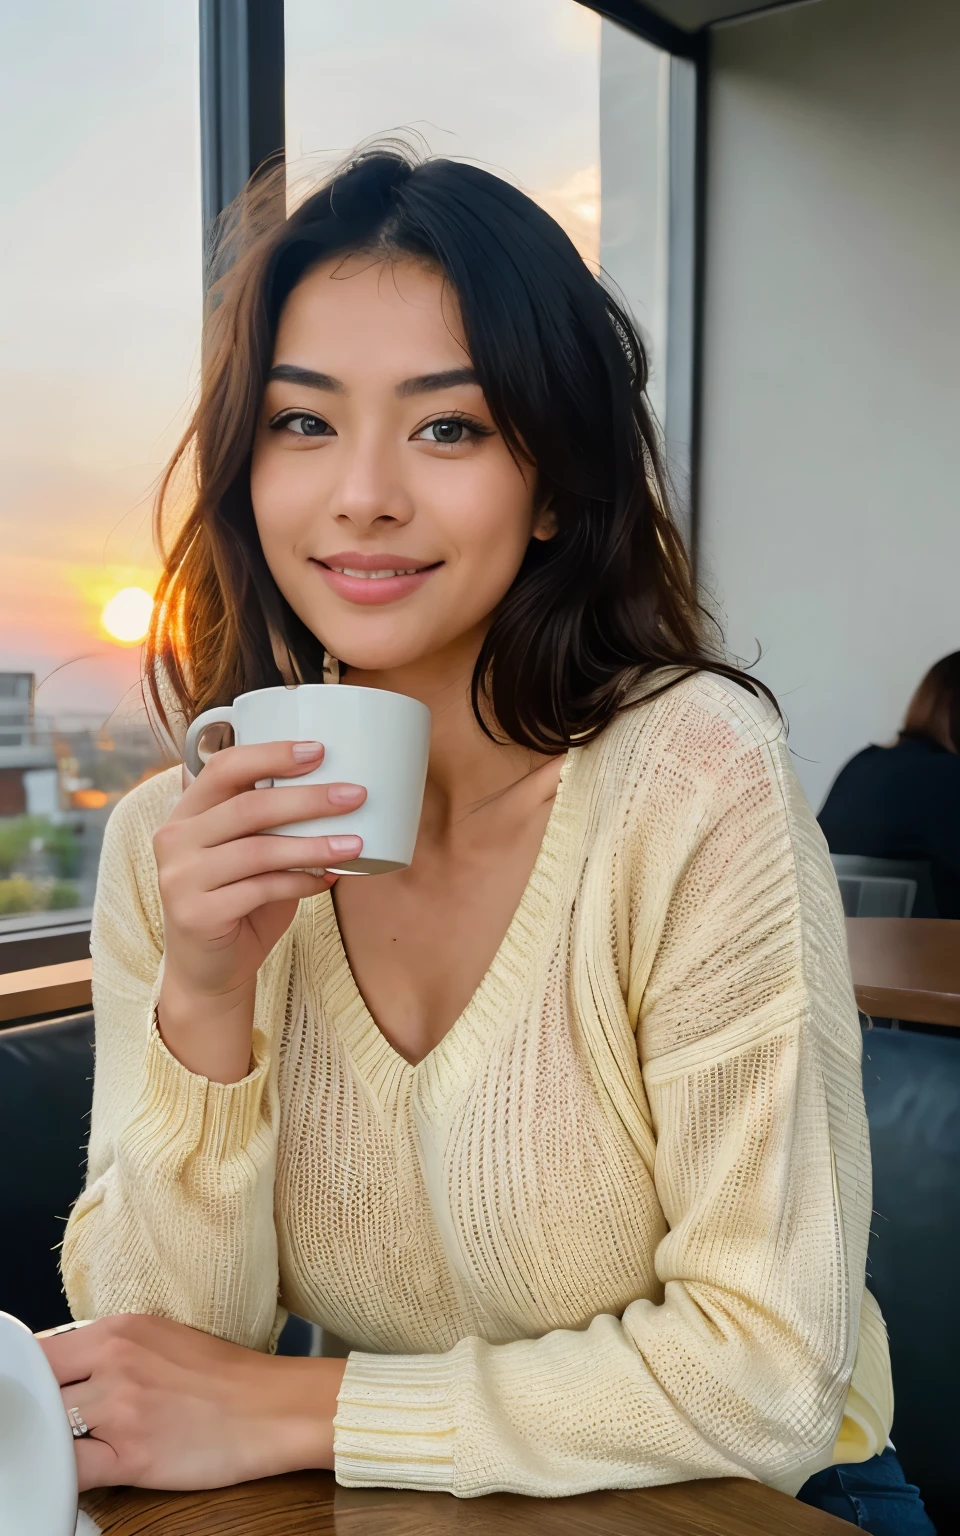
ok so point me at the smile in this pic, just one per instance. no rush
(346, 570)
(374, 579)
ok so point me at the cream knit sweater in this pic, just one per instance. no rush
(612, 1230)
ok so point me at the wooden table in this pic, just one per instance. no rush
(906, 968)
(310, 1504)
(45, 989)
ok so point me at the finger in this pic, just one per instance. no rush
(258, 810)
(71, 1356)
(98, 1465)
(251, 856)
(97, 1461)
(86, 1399)
(234, 902)
(49, 1333)
(237, 768)
(214, 917)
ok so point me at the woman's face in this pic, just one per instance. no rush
(391, 513)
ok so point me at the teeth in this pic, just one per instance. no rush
(346, 570)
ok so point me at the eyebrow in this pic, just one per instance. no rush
(427, 383)
(423, 384)
(289, 373)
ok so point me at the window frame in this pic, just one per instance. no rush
(26, 942)
(242, 129)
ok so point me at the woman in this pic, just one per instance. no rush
(560, 1129)
(903, 801)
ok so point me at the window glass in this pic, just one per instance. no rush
(100, 251)
(569, 107)
(100, 246)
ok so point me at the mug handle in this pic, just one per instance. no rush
(222, 715)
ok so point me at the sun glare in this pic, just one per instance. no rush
(126, 617)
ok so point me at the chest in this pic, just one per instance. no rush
(419, 942)
(497, 1189)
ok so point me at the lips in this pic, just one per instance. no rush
(373, 579)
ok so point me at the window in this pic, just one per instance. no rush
(570, 107)
(101, 258)
(100, 235)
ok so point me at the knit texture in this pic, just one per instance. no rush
(612, 1231)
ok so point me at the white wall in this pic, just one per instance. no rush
(831, 451)
(634, 87)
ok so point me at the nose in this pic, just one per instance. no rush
(369, 492)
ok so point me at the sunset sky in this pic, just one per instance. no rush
(99, 244)
(100, 250)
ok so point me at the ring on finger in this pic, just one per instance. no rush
(78, 1428)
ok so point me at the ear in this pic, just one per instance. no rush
(544, 524)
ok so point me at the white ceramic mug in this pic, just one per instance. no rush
(38, 1469)
(370, 737)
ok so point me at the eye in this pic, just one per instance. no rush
(445, 431)
(302, 424)
(451, 430)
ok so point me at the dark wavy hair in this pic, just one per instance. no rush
(605, 604)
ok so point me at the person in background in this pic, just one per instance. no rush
(903, 801)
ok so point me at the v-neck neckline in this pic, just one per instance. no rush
(509, 974)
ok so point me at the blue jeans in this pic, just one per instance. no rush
(873, 1495)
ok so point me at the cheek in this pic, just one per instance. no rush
(281, 499)
(493, 523)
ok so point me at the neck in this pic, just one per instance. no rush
(465, 766)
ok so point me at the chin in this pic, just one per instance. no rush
(380, 641)
(377, 655)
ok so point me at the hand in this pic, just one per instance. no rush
(169, 1407)
(229, 894)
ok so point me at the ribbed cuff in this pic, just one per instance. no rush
(395, 1422)
(868, 1411)
(218, 1119)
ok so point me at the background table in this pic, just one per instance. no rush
(310, 1504)
(906, 967)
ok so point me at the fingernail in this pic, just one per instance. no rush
(345, 845)
(344, 794)
(306, 751)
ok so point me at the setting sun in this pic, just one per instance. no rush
(126, 617)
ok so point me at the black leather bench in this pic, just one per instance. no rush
(46, 1082)
(911, 1083)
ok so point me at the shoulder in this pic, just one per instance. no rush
(931, 782)
(931, 760)
(703, 763)
(870, 756)
(707, 697)
(127, 902)
(698, 728)
(871, 768)
(142, 810)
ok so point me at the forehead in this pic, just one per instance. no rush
(352, 308)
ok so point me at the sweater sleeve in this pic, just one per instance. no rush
(738, 986)
(176, 1218)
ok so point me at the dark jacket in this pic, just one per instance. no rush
(901, 802)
